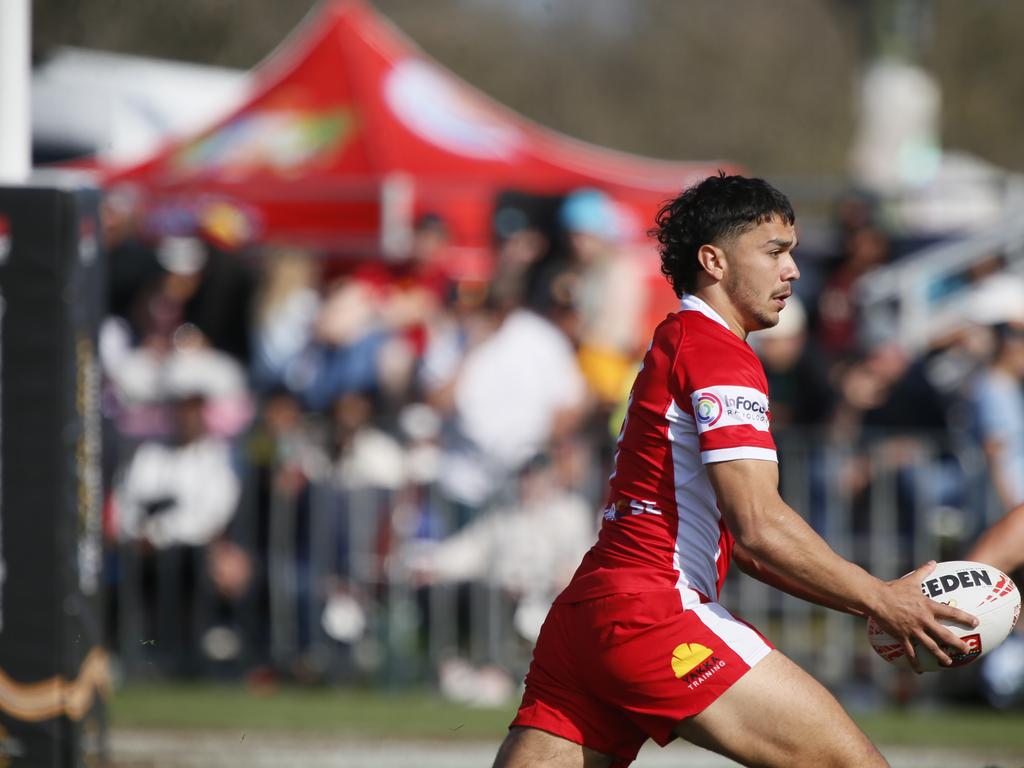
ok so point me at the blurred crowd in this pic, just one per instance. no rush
(473, 419)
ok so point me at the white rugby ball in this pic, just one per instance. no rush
(980, 589)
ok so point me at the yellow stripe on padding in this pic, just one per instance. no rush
(56, 696)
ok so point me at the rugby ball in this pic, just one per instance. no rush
(977, 588)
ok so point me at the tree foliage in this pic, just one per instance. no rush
(768, 84)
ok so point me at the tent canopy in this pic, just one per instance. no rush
(115, 108)
(350, 131)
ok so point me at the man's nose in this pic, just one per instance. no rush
(790, 271)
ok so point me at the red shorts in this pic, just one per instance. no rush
(611, 672)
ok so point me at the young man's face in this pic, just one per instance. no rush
(759, 272)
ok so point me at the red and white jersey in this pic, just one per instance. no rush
(700, 397)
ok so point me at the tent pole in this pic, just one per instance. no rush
(397, 194)
(15, 114)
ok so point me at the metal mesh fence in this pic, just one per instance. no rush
(328, 594)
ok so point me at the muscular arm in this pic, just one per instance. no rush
(994, 449)
(1002, 545)
(782, 549)
(778, 544)
(758, 570)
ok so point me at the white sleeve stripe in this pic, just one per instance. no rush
(743, 452)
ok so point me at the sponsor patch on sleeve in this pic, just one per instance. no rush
(727, 406)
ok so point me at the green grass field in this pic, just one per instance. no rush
(333, 711)
(421, 715)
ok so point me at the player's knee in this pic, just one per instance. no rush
(507, 756)
(505, 753)
(532, 748)
(858, 753)
(867, 759)
(828, 755)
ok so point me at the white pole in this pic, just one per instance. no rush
(15, 114)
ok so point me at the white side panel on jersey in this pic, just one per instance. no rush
(697, 531)
(747, 644)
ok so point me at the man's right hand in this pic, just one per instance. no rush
(910, 617)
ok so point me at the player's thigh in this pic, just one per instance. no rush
(533, 748)
(777, 715)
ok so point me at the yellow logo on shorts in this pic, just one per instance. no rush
(686, 656)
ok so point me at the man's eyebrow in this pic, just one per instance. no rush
(782, 242)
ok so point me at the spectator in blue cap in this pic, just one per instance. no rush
(590, 212)
(595, 290)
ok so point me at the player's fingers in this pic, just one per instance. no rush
(949, 640)
(942, 611)
(936, 650)
(911, 653)
(918, 575)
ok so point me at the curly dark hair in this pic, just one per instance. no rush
(718, 208)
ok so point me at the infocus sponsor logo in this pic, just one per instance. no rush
(708, 409)
(728, 406)
(746, 409)
(746, 404)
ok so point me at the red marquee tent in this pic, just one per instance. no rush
(350, 131)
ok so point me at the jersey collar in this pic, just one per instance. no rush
(691, 303)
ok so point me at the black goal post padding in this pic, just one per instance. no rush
(53, 667)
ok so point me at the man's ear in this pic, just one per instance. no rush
(712, 261)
